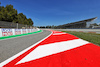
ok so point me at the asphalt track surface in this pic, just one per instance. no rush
(10, 47)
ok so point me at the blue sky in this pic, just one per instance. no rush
(56, 12)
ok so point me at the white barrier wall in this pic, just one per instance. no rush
(81, 30)
(9, 32)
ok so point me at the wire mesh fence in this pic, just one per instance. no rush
(4, 24)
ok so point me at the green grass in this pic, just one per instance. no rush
(91, 37)
(6, 37)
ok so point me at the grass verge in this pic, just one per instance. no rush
(91, 37)
(6, 37)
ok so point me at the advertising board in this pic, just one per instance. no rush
(6, 32)
(17, 31)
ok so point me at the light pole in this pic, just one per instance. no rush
(26, 26)
(17, 25)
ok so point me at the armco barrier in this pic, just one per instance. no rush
(9, 32)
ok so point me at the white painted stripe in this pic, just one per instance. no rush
(15, 56)
(0, 33)
(53, 48)
(59, 33)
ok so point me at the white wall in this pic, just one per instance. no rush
(80, 30)
(9, 32)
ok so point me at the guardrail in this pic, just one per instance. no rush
(9, 32)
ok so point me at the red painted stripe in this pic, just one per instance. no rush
(84, 56)
(58, 38)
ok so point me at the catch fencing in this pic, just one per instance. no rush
(4, 24)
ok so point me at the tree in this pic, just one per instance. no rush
(99, 24)
(22, 16)
(30, 21)
(10, 14)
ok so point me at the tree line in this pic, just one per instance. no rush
(8, 13)
(48, 26)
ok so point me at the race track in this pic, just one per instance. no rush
(59, 49)
(10, 47)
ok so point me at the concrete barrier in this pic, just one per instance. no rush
(9, 32)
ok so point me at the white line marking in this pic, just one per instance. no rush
(15, 56)
(53, 48)
(58, 33)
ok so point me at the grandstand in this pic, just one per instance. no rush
(78, 24)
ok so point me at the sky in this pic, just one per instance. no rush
(56, 12)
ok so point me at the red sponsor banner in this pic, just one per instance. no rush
(24, 31)
(6, 32)
(17, 31)
(29, 30)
